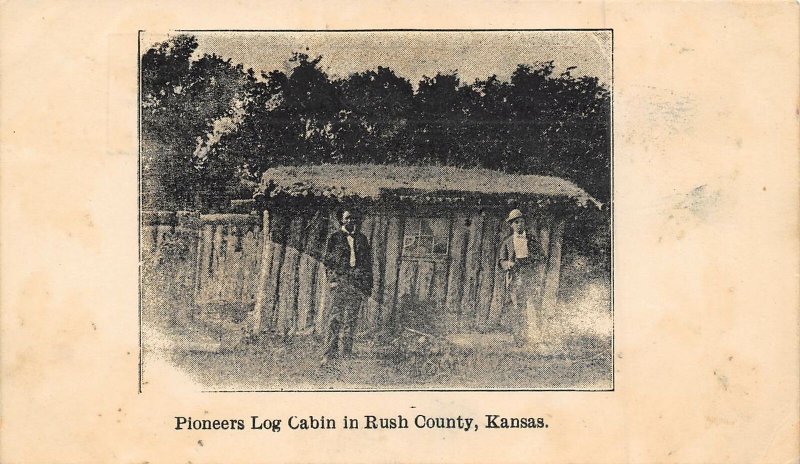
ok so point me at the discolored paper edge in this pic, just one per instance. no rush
(706, 247)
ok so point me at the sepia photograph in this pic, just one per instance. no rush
(377, 209)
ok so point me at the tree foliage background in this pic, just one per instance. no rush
(210, 127)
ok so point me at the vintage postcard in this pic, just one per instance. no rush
(399, 232)
(342, 214)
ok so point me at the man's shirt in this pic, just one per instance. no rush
(352, 242)
(521, 245)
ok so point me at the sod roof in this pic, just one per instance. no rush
(374, 181)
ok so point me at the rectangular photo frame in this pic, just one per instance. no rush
(377, 210)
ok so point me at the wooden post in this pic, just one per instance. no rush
(488, 265)
(368, 225)
(553, 273)
(240, 266)
(232, 264)
(288, 288)
(280, 228)
(263, 276)
(499, 293)
(205, 263)
(458, 252)
(217, 261)
(257, 248)
(378, 268)
(406, 281)
(472, 267)
(198, 267)
(249, 249)
(321, 315)
(187, 228)
(544, 240)
(307, 275)
(441, 273)
(394, 244)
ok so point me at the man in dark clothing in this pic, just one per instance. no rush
(348, 259)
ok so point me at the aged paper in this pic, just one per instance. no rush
(701, 360)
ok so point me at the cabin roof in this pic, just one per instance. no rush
(374, 181)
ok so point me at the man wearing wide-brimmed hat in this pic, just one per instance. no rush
(520, 254)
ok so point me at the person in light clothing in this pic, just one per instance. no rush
(520, 254)
(348, 260)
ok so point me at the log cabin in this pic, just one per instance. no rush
(434, 233)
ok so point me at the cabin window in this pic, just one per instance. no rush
(426, 237)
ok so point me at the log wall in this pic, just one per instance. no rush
(465, 289)
(279, 284)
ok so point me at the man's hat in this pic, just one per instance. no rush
(514, 214)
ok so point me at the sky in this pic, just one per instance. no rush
(412, 55)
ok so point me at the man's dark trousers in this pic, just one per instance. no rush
(350, 286)
(345, 305)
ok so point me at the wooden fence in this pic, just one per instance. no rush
(209, 261)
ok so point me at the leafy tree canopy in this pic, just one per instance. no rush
(210, 128)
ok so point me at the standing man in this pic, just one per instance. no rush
(520, 253)
(348, 259)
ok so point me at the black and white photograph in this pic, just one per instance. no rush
(377, 210)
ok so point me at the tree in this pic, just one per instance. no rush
(183, 100)
(373, 121)
(309, 103)
(286, 119)
(439, 120)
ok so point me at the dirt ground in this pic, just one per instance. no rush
(579, 361)
(579, 357)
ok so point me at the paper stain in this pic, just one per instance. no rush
(722, 379)
(671, 112)
(689, 210)
(700, 201)
(27, 364)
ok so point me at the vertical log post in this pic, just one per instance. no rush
(553, 273)
(470, 295)
(288, 288)
(278, 235)
(458, 251)
(394, 244)
(500, 295)
(544, 225)
(378, 267)
(368, 225)
(307, 275)
(232, 265)
(322, 313)
(488, 264)
(249, 249)
(187, 229)
(263, 276)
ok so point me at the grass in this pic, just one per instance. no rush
(271, 363)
